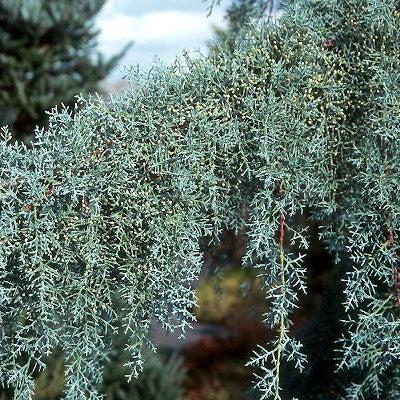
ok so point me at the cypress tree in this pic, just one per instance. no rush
(101, 220)
(47, 56)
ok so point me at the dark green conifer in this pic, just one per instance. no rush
(47, 56)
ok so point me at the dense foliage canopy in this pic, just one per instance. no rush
(100, 222)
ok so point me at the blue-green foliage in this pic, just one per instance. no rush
(100, 222)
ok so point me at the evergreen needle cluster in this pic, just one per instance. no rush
(100, 221)
(47, 55)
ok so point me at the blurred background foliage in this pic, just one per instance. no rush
(47, 56)
(230, 297)
(162, 378)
